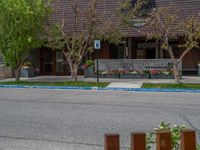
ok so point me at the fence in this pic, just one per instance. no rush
(135, 64)
(163, 141)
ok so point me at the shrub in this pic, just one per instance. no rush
(27, 64)
(175, 132)
(89, 63)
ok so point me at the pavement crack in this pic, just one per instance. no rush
(50, 140)
(55, 141)
(190, 124)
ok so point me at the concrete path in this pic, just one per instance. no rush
(114, 83)
(125, 85)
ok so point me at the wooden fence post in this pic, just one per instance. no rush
(163, 139)
(188, 140)
(112, 142)
(138, 141)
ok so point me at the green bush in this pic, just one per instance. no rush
(89, 63)
(175, 132)
(28, 64)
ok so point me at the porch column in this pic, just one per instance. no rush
(157, 50)
(161, 53)
(130, 48)
(134, 50)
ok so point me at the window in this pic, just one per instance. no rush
(150, 4)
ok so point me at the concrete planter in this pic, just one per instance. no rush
(198, 69)
(89, 72)
(109, 76)
(26, 72)
(134, 76)
(5, 72)
(162, 76)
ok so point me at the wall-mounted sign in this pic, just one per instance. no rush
(139, 22)
(97, 44)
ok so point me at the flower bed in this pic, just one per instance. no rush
(161, 74)
(132, 74)
(109, 74)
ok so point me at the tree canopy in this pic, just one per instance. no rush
(21, 26)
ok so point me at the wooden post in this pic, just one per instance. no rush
(112, 142)
(163, 139)
(188, 140)
(138, 141)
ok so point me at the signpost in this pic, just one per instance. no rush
(97, 47)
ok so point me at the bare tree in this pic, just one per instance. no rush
(167, 23)
(89, 24)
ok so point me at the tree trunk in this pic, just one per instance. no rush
(176, 73)
(17, 74)
(74, 70)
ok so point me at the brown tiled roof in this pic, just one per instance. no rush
(187, 7)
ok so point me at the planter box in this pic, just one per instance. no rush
(89, 72)
(26, 72)
(198, 69)
(109, 76)
(162, 76)
(134, 76)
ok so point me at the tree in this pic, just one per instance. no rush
(165, 24)
(89, 24)
(21, 25)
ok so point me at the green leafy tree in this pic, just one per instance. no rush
(21, 25)
(89, 24)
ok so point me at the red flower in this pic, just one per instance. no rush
(154, 72)
(84, 66)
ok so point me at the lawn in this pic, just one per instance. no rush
(171, 85)
(66, 83)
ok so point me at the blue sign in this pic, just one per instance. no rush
(97, 44)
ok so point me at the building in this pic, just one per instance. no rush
(134, 46)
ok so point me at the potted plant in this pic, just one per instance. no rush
(27, 69)
(88, 68)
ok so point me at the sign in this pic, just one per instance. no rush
(97, 44)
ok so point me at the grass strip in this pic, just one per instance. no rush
(66, 83)
(171, 85)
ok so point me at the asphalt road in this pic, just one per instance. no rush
(33, 119)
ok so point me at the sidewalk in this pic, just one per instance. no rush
(114, 83)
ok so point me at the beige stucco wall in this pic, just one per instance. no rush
(5, 72)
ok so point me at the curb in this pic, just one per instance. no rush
(101, 89)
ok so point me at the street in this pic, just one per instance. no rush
(34, 119)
